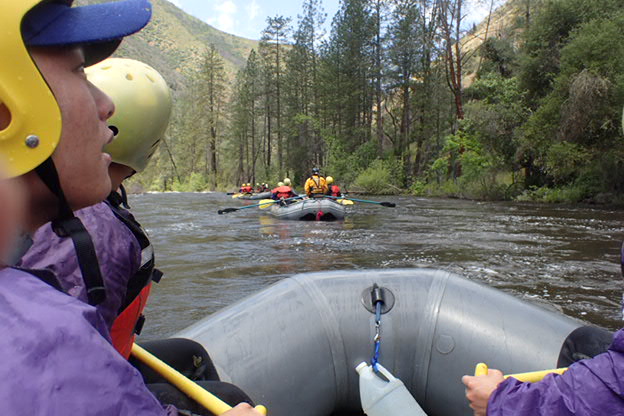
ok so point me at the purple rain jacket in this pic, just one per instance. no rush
(118, 251)
(57, 358)
(590, 387)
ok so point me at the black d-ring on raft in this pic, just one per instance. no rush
(386, 296)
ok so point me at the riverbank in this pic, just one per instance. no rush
(492, 190)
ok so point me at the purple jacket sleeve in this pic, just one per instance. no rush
(590, 387)
(118, 251)
(57, 360)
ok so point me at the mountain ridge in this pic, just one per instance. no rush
(174, 43)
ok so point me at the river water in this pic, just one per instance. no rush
(565, 258)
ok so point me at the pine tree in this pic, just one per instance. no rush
(274, 36)
(212, 101)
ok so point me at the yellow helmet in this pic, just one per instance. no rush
(280, 184)
(142, 108)
(35, 126)
(34, 129)
(287, 181)
(329, 180)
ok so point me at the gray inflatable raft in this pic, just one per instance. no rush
(322, 209)
(293, 347)
(253, 197)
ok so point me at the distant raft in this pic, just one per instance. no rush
(321, 209)
(294, 346)
(261, 195)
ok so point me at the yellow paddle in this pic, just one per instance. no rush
(188, 387)
(531, 377)
(265, 203)
(345, 201)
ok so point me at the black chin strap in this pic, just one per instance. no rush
(124, 197)
(68, 225)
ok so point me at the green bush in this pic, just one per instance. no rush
(554, 195)
(564, 161)
(196, 182)
(418, 188)
(379, 178)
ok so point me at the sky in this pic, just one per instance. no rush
(247, 18)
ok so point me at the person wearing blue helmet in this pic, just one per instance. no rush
(57, 354)
(316, 185)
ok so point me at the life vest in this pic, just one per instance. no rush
(130, 318)
(316, 185)
(334, 190)
(129, 323)
(283, 192)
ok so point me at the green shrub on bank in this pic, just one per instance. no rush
(382, 177)
(554, 195)
(196, 182)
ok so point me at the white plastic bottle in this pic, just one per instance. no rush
(385, 398)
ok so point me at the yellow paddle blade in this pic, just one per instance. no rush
(345, 201)
(265, 203)
(187, 386)
(237, 195)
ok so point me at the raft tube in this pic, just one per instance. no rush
(294, 346)
(261, 195)
(321, 209)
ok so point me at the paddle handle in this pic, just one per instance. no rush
(531, 377)
(187, 386)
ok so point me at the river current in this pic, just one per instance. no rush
(566, 258)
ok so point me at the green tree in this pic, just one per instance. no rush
(274, 36)
(304, 144)
(211, 101)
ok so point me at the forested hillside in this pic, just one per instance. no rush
(391, 101)
(175, 43)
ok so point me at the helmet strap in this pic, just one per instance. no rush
(66, 224)
(124, 197)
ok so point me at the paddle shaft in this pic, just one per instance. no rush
(531, 376)
(185, 385)
(385, 204)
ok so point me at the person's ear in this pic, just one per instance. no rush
(5, 116)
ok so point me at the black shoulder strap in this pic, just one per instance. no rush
(67, 225)
(116, 202)
(147, 272)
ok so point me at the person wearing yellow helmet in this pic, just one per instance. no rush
(143, 106)
(333, 190)
(53, 126)
(315, 185)
(246, 188)
(283, 193)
